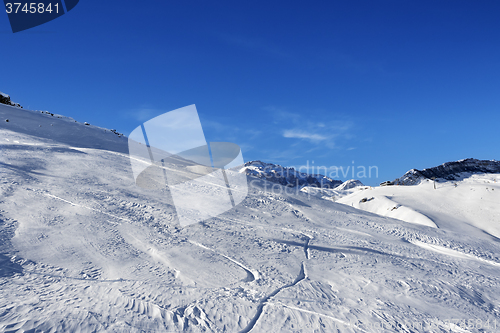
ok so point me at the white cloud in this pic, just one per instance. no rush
(327, 132)
(298, 134)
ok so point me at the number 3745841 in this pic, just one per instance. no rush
(31, 8)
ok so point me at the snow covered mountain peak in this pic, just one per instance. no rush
(287, 176)
(449, 171)
(349, 184)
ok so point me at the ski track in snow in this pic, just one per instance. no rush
(344, 323)
(82, 206)
(263, 302)
(452, 253)
(252, 274)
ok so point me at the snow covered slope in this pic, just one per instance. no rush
(60, 129)
(82, 248)
(471, 205)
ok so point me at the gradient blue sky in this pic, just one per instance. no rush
(394, 84)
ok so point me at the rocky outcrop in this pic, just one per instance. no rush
(449, 171)
(5, 99)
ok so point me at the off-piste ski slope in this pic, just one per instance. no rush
(83, 249)
(470, 204)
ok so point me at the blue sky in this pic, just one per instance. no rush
(393, 84)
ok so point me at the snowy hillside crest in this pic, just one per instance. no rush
(449, 171)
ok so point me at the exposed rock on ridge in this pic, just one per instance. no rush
(449, 171)
(5, 99)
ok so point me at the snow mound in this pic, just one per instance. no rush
(287, 176)
(384, 206)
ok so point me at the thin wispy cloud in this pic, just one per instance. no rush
(298, 134)
(324, 133)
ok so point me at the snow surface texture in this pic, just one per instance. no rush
(82, 248)
(276, 173)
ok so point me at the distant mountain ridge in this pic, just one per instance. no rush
(287, 176)
(449, 171)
